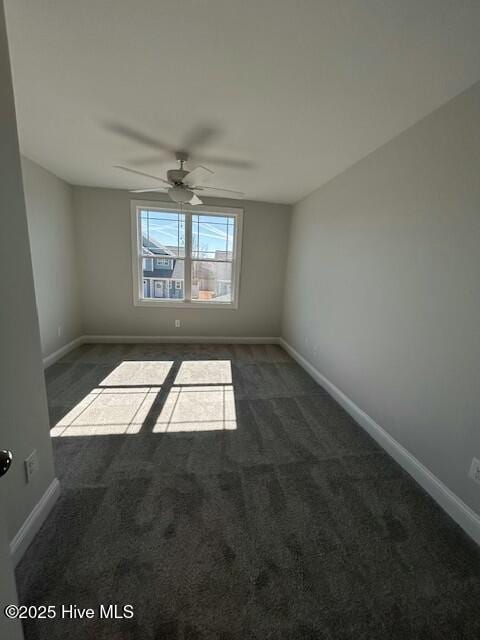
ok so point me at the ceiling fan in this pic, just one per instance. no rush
(181, 185)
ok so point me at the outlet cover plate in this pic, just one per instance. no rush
(31, 465)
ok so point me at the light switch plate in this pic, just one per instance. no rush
(474, 472)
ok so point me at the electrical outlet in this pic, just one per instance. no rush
(59, 331)
(31, 465)
(177, 323)
(474, 472)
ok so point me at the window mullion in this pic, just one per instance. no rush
(140, 277)
(188, 257)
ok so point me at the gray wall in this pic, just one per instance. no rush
(52, 242)
(8, 628)
(389, 254)
(23, 407)
(104, 239)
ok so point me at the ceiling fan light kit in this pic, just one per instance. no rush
(180, 194)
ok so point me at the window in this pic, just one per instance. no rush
(203, 249)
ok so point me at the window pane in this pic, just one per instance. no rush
(212, 236)
(163, 233)
(162, 282)
(212, 281)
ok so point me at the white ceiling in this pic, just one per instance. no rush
(300, 88)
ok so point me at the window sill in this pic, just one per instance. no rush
(185, 305)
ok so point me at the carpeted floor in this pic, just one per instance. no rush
(225, 495)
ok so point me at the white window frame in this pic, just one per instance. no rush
(139, 300)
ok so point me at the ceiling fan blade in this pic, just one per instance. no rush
(199, 136)
(148, 161)
(195, 200)
(239, 194)
(138, 136)
(197, 176)
(141, 173)
(224, 162)
(148, 190)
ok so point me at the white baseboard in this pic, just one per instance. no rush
(92, 339)
(59, 353)
(449, 501)
(34, 521)
(181, 339)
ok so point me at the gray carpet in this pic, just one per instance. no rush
(289, 523)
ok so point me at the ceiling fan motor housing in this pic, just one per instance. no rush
(176, 176)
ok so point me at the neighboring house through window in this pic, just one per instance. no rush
(187, 258)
